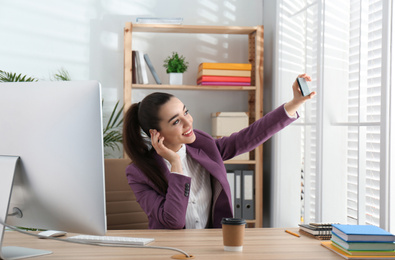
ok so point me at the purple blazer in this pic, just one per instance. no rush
(167, 211)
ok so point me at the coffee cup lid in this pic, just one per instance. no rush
(233, 221)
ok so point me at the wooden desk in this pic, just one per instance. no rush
(259, 243)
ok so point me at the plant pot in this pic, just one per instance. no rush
(175, 78)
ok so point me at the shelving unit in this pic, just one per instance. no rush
(254, 36)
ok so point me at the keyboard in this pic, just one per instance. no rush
(112, 240)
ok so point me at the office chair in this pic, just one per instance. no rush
(123, 211)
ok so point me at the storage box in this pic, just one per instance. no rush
(226, 123)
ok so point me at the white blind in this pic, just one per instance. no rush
(351, 43)
(364, 96)
(298, 49)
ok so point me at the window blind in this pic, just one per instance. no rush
(364, 106)
(300, 49)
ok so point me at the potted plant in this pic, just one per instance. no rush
(175, 66)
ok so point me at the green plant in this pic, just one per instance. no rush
(61, 75)
(13, 77)
(112, 132)
(175, 63)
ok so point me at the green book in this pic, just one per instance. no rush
(365, 253)
(363, 246)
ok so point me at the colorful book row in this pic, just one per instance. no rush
(361, 242)
(224, 74)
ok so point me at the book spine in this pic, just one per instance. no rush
(143, 69)
(214, 83)
(224, 79)
(134, 68)
(152, 69)
(138, 68)
(233, 73)
(225, 66)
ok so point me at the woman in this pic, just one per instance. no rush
(179, 177)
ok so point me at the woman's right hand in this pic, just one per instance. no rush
(166, 153)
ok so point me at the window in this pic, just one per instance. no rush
(342, 137)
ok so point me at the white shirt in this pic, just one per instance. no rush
(200, 194)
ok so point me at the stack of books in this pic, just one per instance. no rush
(224, 74)
(361, 242)
(321, 231)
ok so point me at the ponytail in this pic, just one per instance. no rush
(133, 141)
(143, 116)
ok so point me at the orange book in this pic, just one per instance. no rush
(232, 73)
(225, 66)
(223, 79)
(328, 245)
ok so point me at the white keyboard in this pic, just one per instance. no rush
(112, 240)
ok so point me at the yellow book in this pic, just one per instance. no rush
(225, 66)
(232, 73)
(330, 246)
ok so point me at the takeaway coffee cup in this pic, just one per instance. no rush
(233, 233)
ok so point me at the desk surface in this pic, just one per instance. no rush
(261, 243)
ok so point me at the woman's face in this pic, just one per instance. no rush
(176, 124)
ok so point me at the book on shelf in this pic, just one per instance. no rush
(134, 68)
(223, 79)
(139, 68)
(232, 73)
(362, 233)
(329, 245)
(152, 69)
(213, 83)
(225, 66)
(139, 80)
(321, 231)
(159, 20)
(142, 67)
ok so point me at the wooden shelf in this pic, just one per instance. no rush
(240, 162)
(166, 28)
(193, 87)
(255, 92)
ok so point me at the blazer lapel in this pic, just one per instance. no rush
(210, 165)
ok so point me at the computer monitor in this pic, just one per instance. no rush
(51, 158)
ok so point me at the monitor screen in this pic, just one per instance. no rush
(55, 129)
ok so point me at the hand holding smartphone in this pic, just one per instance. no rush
(303, 86)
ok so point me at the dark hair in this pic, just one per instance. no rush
(145, 116)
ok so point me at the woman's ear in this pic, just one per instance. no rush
(153, 131)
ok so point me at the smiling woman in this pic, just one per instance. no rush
(179, 179)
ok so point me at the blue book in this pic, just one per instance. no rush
(363, 246)
(362, 233)
(152, 69)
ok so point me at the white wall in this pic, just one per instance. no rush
(86, 38)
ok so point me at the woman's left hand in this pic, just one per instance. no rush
(298, 99)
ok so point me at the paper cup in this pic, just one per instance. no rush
(233, 233)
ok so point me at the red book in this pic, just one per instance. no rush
(225, 66)
(224, 79)
(216, 83)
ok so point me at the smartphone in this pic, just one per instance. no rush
(303, 86)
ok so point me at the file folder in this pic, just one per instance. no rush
(238, 206)
(231, 179)
(247, 196)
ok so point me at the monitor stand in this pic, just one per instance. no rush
(7, 171)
